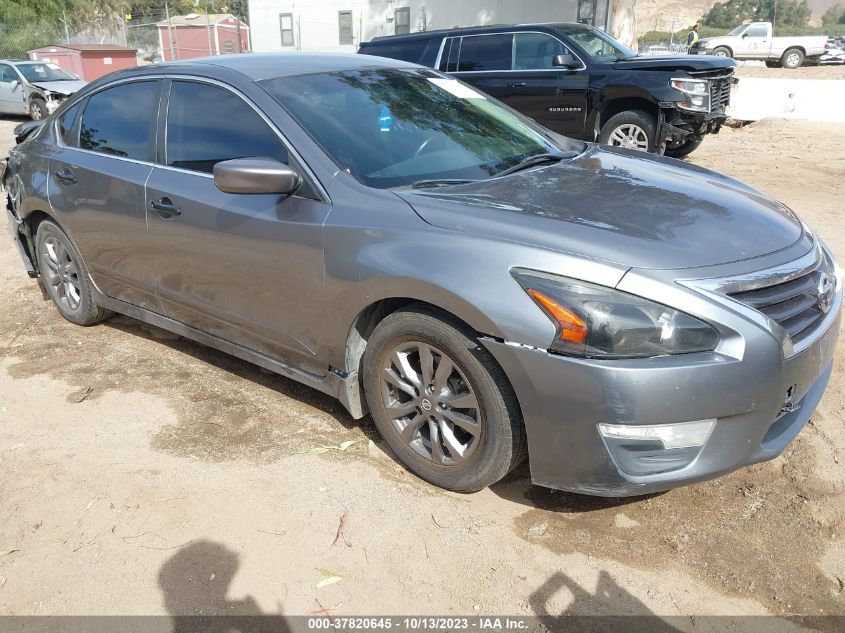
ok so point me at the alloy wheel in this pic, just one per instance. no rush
(431, 404)
(60, 273)
(792, 59)
(629, 136)
(35, 111)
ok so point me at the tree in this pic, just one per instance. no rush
(834, 15)
(731, 13)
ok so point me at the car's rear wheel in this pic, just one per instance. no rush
(441, 402)
(38, 109)
(633, 129)
(65, 277)
(792, 58)
(683, 148)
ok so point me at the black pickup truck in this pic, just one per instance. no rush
(579, 81)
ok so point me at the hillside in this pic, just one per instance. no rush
(659, 15)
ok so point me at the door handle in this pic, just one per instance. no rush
(165, 208)
(65, 177)
(517, 84)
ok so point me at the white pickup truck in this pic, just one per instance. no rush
(755, 41)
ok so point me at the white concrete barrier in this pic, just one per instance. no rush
(811, 99)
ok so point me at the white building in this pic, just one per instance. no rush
(341, 25)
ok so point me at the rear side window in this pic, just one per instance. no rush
(207, 124)
(120, 120)
(66, 126)
(416, 51)
(485, 52)
(533, 51)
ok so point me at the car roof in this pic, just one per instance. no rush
(471, 30)
(260, 66)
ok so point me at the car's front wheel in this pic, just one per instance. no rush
(38, 109)
(441, 402)
(633, 129)
(65, 277)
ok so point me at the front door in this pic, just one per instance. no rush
(97, 178)
(11, 91)
(554, 97)
(755, 41)
(247, 268)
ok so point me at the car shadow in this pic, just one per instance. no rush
(248, 371)
(195, 582)
(517, 488)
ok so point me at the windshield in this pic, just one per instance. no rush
(45, 72)
(738, 29)
(392, 127)
(596, 43)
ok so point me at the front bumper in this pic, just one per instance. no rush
(759, 401)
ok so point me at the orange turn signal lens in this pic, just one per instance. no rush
(573, 329)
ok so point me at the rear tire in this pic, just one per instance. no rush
(793, 58)
(633, 129)
(690, 144)
(722, 51)
(65, 277)
(440, 400)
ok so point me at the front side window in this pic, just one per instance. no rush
(393, 127)
(344, 23)
(596, 43)
(485, 52)
(207, 124)
(7, 74)
(402, 20)
(286, 28)
(120, 120)
(758, 30)
(533, 51)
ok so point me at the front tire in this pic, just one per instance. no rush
(38, 109)
(440, 400)
(685, 148)
(722, 51)
(633, 129)
(792, 59)
(65, 276)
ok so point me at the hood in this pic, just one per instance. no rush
(621, 206)
(671, 63)
(60, 87)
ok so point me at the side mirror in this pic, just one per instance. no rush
(15, 83)
(255, 175)
(565, 61)
(745, 34)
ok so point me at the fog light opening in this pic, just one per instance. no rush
(677, 435)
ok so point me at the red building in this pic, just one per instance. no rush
(87, 61)
(200, 35)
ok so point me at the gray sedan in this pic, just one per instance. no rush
(486, 289)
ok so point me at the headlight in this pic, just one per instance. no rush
(597, 322)
(696, 94)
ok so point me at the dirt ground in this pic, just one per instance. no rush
(141, 473)
(758, 69)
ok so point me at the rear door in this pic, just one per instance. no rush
(554, 97)
(481, 60)
(247, 268)
(96, 186)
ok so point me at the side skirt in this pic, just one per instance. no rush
(336, 384)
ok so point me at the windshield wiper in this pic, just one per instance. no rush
(538, 159)
(441, 182)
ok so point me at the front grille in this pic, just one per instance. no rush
(799, 305)
(720, 86)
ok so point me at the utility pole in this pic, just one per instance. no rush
(169, 33)
(208, 6)
(125, 38)
(64, 21)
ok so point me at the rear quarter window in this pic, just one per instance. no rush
(415, 51)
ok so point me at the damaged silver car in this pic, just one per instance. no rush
(34, 88)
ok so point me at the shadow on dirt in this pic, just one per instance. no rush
(194, 583)
(610, 608)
